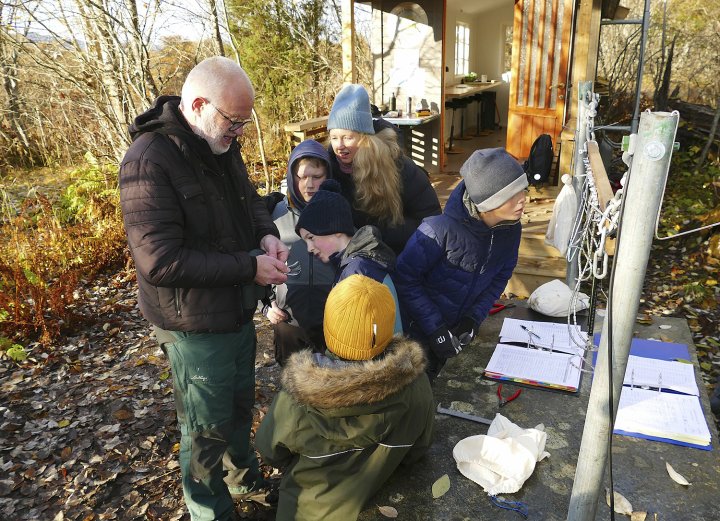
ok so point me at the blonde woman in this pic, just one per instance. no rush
(384, 187)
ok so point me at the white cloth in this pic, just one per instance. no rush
(502, 460)
(555, 299)
(563, 217)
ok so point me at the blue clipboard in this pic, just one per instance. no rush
(659, 351)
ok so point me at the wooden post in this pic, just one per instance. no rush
(650, 163)
(584, 98)
(584, 62)
(348, 41)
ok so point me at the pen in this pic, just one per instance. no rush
(531, 332)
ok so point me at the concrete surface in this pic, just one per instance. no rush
(638, 465)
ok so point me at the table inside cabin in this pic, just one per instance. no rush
(469, 89)
(638, 465)
(419, 139)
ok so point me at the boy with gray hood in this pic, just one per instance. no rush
(296, 313)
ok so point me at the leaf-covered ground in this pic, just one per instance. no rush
(88, 430)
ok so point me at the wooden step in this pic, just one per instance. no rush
(532, 272)
(555, 267)
(522, 285)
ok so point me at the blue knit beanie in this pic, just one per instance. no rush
(327, 212)
(492, 176)
(351, 110)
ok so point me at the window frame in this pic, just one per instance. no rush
(462, 49)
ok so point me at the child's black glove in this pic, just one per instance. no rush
(465, 330)
(445, 345)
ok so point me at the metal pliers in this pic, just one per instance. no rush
(499, 306)
(502, 401)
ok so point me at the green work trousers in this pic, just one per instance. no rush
(214, 385)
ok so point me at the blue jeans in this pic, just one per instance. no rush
(214, 386)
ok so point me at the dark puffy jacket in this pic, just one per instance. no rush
(190, 218)
(366, 254)
(454, 266)
(341, 430)
(418, 198)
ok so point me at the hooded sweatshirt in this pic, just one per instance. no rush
(191, 217)
(303, 296)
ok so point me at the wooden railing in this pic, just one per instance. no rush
(315, 128)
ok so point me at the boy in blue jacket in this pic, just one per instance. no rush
(456, 265)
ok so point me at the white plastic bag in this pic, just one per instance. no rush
(554, 299)
(563, 217)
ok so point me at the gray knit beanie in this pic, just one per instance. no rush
(491, 177)
(351, 110)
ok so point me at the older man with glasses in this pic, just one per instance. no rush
(204, 246)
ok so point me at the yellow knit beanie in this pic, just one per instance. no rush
(359, 318)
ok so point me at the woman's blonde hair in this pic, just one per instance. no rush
(376, 173)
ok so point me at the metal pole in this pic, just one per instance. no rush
(651, 160)
(584, 97)
(641, 66)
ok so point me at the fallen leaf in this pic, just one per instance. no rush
(639, 515)
(622, 505)
(122, 414)
(388, 511)
(677, 478)
(441, 486)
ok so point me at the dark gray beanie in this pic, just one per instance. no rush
(327, 212)
(491, 177)
(351, 110)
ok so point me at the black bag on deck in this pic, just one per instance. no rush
(539, 162)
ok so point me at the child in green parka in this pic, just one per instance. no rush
(344, 421)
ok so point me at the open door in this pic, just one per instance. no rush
(538, 84)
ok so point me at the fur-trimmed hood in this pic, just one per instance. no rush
(354, 383)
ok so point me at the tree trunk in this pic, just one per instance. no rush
(711, 137)
(216, 26)
(661, 95)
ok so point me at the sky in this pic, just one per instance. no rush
(187, 18)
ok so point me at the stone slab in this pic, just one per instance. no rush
(638, 465)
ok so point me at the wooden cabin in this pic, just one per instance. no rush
(528, 57)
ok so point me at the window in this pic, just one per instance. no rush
(462, 49)
(507, 48)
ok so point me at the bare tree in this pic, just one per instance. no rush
(82, 69)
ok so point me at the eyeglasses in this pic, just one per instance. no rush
(234, 125)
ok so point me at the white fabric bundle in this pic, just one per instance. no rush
(563, 217)
(554, 299)
(502, 460)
